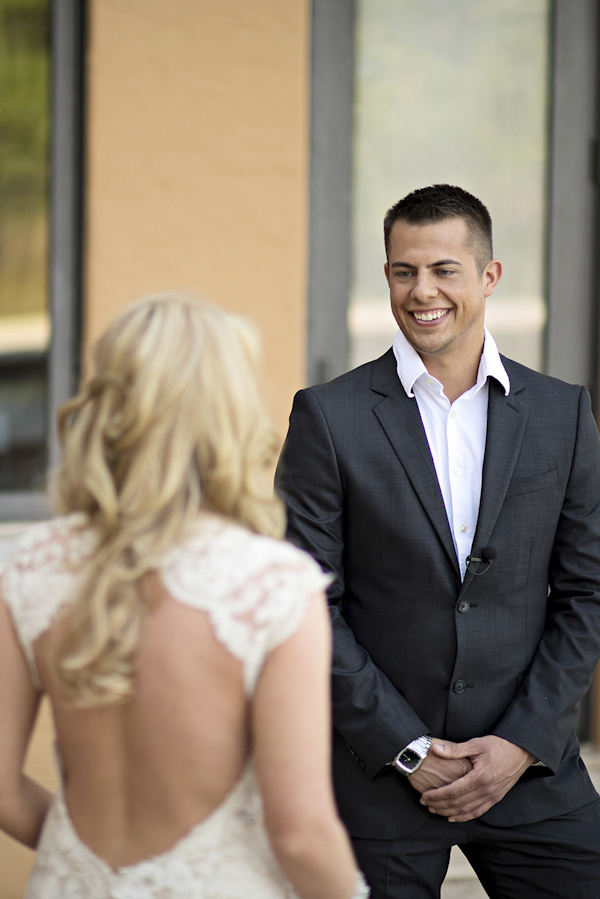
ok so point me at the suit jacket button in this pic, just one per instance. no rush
(464, 605)
(459, 686)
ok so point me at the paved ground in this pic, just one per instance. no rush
(460, 881)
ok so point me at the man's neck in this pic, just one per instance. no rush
(455, 377)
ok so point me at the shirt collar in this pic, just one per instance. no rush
(410, 366)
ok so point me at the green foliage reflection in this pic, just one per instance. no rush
(24, 130)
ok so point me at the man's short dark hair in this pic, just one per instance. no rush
(433, 204)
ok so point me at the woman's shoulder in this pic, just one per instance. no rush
(53, 545)
(41, 574)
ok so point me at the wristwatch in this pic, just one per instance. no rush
(412, 756)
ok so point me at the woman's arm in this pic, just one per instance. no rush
(292, 737)
(23, 803)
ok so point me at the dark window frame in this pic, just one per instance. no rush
(65, 253)
(330, 229)
(571, 350)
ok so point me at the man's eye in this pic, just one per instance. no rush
(445, 271)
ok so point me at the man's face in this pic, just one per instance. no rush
(437, 294)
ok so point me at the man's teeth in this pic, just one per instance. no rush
(429, 316)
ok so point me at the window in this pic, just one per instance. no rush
(24, 319)
(463, 101)
(40, 236)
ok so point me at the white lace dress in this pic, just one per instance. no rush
(254, 590)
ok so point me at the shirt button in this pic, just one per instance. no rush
(464, 606)
(453, 414)
(459, 686)
(458, 471)
(463, 528)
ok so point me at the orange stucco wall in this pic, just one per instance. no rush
(197, 136)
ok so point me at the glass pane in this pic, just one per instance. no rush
(453, 93)
(24, 320)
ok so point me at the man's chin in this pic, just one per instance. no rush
(429, 346)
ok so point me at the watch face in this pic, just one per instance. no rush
(409, 758)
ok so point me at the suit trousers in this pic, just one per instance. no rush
(558, 858)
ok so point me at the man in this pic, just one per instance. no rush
(455, 496)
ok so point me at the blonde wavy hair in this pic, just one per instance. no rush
(170, 422)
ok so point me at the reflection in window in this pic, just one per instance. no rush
(24, 320)
(453, 93)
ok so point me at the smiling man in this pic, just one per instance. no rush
(455, 497)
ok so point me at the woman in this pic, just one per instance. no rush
(185, 654)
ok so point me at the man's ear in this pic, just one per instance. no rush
(386, 269)
(491, 275)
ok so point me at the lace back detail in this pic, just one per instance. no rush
(42, 574)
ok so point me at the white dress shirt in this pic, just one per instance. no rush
(455, 432)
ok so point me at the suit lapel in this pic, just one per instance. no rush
(399, 417)
(507, 419)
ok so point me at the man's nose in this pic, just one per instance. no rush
(424, 288)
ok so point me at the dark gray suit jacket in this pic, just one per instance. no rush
(416, 650)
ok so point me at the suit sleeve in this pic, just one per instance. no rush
(370, 714)
(541, 717)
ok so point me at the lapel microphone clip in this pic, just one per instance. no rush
(487, 557)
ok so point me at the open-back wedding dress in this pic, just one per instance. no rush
(254, 591)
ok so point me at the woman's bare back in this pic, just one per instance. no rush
(139, 775)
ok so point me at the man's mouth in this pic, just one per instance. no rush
(431, 316)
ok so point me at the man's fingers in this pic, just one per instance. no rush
(450, 750)
(460, 811)
(438, 771)
(469, 816)
(496, 765)
(460, 805)
(445, 749)
(459, 789)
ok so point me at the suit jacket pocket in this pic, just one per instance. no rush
(536, 482)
